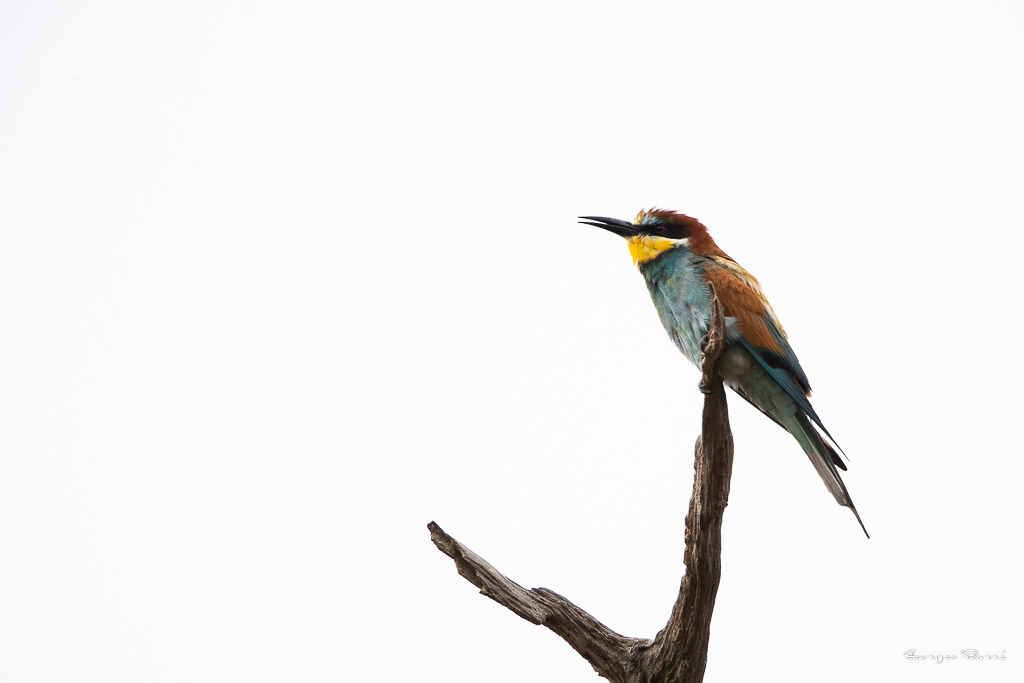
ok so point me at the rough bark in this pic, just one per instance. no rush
(678, 654)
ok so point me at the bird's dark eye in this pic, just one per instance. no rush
(660, 229)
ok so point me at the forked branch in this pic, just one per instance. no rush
(678, 654)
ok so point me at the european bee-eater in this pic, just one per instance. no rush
(678, 259)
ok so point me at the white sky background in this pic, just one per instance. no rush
(283, 282)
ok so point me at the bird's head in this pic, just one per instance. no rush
(655, 231)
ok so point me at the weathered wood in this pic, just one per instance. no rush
(679, 652)
(610, 654)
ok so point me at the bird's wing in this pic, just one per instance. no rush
(760, 325)
(761, 333)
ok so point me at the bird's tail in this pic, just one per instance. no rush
(824, 459)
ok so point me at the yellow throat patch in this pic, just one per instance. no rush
(645, 247)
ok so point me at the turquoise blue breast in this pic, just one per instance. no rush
(676, 282)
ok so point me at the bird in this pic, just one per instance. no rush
(681, 263)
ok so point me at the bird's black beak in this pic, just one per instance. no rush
(621, 228)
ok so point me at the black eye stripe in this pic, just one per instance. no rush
(670, 230)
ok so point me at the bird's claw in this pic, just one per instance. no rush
(704, 388)
(704, 342)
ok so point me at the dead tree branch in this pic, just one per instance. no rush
(679, 652)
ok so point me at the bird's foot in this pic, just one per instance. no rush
(704, 342)
(704, 388)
